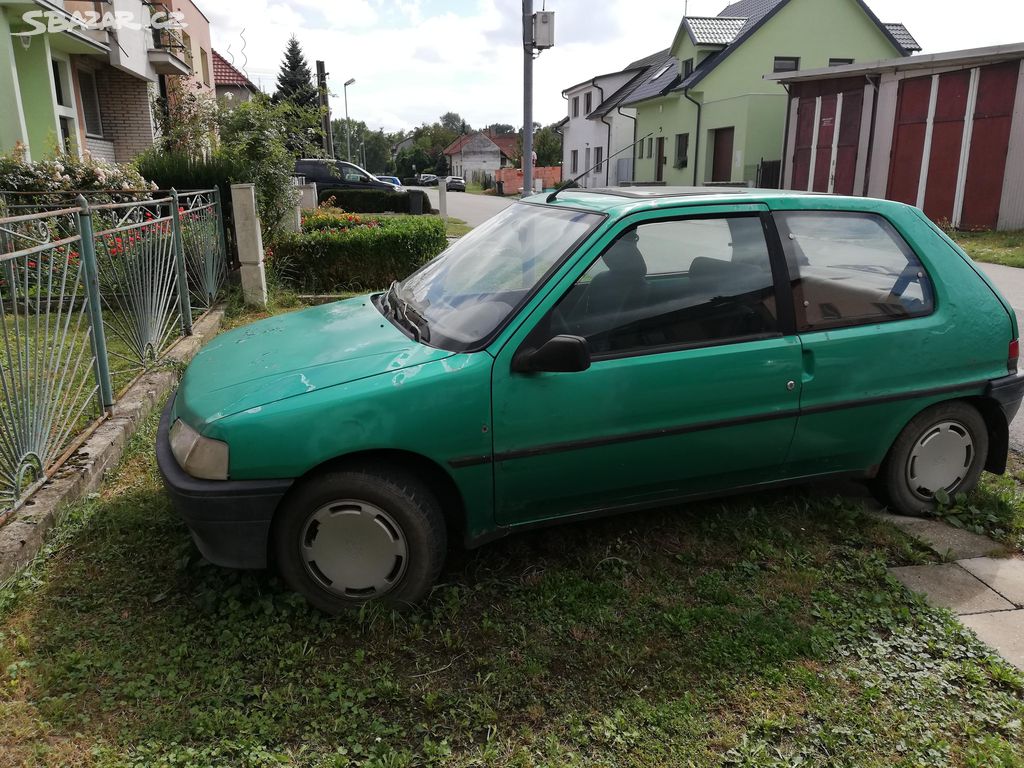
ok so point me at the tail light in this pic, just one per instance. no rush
(1013, 355)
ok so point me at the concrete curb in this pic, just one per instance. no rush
(24, 534)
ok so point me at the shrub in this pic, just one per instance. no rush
(357, 255)
(377, 200)
(65, 173)
(173, 170)
(334, 218)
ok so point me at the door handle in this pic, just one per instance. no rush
(807, 357)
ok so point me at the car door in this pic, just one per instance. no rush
(876, 349)
(694, 378)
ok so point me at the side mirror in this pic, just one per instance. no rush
(562, 354)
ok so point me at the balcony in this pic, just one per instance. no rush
(169, 54)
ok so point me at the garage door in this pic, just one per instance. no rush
(950, 140)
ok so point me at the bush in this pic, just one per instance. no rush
(411, 181)
(377, 200)
(173, 170)
(356, 253)
(65, 173)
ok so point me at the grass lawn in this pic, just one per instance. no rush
(993, 247)
(760, 631)
(456, 227)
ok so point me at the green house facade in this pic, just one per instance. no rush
(710, 116)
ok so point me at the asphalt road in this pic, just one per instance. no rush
(1010, 282)
(472, 209)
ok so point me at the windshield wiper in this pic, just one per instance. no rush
(399, 308)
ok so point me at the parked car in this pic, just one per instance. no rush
(337, 174)
(605, 350)
(390, 180)
(426, 180)
(455, 184)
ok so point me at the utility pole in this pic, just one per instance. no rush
(527, 158)
(325, 108)
(348, 125)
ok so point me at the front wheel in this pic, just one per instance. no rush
(345, 538)
(939, 454)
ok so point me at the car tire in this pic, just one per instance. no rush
(943, 448)
(345, 538)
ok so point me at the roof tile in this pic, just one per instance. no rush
(713, 30)
(903, 37)
(224, 73)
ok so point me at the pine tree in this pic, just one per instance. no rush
(295, 80)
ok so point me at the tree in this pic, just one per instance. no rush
(453, 121)
(547, 143)
(295, 80)
(501, 129)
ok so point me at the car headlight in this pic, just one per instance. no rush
(200, 456)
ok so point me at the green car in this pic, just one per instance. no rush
(589, 352)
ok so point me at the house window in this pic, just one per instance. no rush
(575, 106)
(64, 102)
(687, 67)
(640, 149)
(682, 149)
(586, 160)
(650, 147)
(786, 64)
(186, 42)
(588, 103)
(839, 62)
(206, 65)
(574, 162)
(598, 157)
(90, 103)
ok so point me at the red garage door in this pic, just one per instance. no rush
(969, 110)
(827, 135)
(986, 166)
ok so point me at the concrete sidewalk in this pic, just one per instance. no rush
(978, 583)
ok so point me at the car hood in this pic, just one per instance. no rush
(292, 354)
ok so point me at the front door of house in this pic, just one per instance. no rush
(721, 166)
(659, 160)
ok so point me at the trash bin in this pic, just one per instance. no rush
(416, 201)
(501, 188)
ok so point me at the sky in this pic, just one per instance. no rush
(413, 60)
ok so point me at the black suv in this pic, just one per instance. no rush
(342, 175)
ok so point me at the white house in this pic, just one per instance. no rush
(598, 125)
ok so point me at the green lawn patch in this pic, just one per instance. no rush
(456, 227)
(993, 247)
(760, 631)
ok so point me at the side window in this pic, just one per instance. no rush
(851, 269)
(667, 284)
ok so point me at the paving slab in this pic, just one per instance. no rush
(1003, 631)
(1004, 575)
(943, 538)
(950, 586)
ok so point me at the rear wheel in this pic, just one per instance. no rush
(940, 453)
(345, 538)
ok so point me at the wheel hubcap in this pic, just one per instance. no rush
(354, 549)
(940, 460)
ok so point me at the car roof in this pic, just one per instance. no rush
(611, 199)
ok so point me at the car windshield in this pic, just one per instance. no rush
(461, 297)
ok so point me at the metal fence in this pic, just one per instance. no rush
(91, 296)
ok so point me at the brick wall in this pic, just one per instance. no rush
(513, 177)
(101, 149)
(125, 111)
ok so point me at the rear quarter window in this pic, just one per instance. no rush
(851, 269)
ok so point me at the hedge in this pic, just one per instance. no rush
(364, 257)
(377, 200)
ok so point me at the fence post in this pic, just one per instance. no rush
(92, 293)
(249, 237)
(219, 209)
(184, 300)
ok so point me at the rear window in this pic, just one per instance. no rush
(851, 269)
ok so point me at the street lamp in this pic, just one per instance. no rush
(348, 125)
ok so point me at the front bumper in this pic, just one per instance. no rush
(229, 519)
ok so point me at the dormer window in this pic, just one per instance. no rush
(687, 67)
(588, 102)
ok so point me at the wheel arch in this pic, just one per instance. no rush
(998, 432)
(430, 472)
